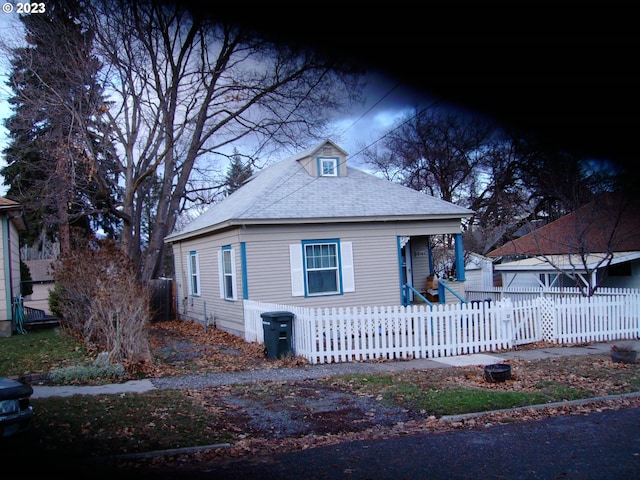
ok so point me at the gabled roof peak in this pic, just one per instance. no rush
(309, 152)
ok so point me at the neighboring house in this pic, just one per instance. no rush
(598, 244)
(13, 222)
(310, 231)
(42, 282)
(478, 272)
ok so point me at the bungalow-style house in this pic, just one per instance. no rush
(310, 231)
(12, 222)
(596, 245)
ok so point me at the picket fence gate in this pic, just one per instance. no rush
(346, 334)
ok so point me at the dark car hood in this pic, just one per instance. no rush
(11, 389)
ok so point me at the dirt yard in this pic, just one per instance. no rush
(278, 416)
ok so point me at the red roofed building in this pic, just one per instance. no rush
(597, 245)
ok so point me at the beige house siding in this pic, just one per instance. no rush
(374, 261)
(310, 164)
(4, 314)
(268, 268)
(41, 270)
(15, 260)
(9, 273)
(227, 315)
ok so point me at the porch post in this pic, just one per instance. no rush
(430, 252)
(459, 258)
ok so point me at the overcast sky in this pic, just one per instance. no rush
(385, 102)
(8, 24)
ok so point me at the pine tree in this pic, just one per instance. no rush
(237, 173)
(57, 159)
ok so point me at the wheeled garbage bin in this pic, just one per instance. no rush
(278, 327)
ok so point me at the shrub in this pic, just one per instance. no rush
(100, 300)
(25, 278)
(84, 373)
(622, 347)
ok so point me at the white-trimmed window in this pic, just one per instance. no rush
(194, 274)
(328, 166)
(227, 268)
(321, 267)
(322, 275)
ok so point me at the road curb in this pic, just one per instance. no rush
(156, 453)
(582, 401)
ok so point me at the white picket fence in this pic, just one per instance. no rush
(530, 293)
(328, 335)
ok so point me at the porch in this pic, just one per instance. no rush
(420, 281)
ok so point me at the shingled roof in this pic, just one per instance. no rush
(605, 225)
(285, 193)
(15, 211)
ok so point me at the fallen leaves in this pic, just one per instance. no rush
(186, 347)
(182, 347)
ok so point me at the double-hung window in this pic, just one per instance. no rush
(321, 267)
(194, 274)
(227, 268)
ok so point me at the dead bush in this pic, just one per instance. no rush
(100, 300)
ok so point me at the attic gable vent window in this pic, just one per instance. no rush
(328, 167)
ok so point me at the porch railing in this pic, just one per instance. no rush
(442, 287)
(406, 298)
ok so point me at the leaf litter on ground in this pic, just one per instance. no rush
(239, 406)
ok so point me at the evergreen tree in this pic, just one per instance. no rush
(58, 163)
(237, 173)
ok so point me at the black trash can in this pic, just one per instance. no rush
(278, 333)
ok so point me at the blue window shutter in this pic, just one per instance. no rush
(297, 272)
(348, 278)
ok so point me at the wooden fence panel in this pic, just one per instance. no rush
(162, 301)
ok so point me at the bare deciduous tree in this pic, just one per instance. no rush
(443, 153)
(181, 91)
(438, 152)
(582, 244)
(185, 88)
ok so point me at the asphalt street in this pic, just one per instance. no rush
(597, 446)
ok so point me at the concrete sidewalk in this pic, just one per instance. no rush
(323, 370)
(133, 386)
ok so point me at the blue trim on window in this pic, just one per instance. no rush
(339, 266)
(243, 261)
(336, 166)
